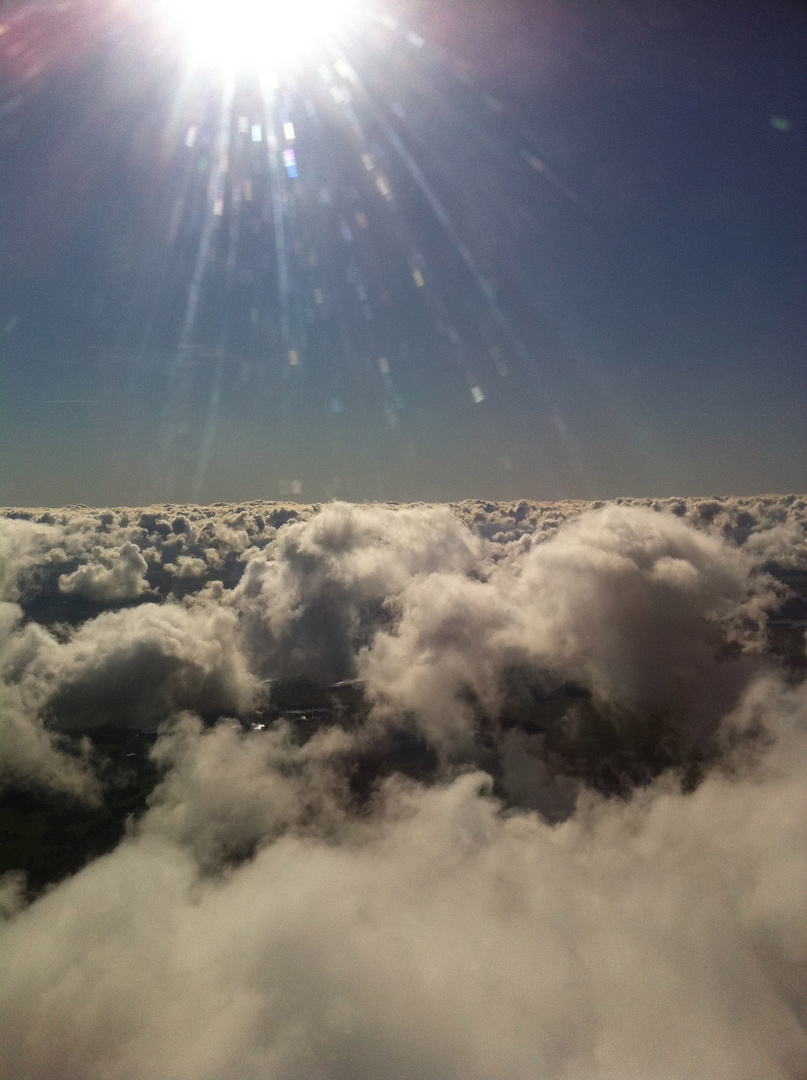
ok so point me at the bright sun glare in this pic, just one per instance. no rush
(242, 35)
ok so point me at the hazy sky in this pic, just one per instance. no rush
(470, 250)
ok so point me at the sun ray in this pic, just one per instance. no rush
(249, 35)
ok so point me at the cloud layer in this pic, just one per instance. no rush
(582, 848)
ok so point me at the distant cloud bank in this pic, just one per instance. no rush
(596, 867)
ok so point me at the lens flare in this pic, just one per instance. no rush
(248, 35)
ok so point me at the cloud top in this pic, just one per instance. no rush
(471, 791)
(119, 574)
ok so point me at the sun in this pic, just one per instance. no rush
(248, 35)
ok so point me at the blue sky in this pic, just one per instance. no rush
(551, 250)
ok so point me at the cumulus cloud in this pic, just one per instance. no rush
(30, 754)
(320, 591)
(635, 605)
(118, 574)
(437, 936)
(22, 547)
(134, 667)
(557, 891)
(226, 791)
(186, 566)
(762, 519)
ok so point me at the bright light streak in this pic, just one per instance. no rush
(290, 162)
(249, 35)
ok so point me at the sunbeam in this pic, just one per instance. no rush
(242, 36)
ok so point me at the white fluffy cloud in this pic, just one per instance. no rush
(436, 937)
(119, 574)
(320, 591)
(226, 791)
(23, 545)
(498, 919)
(632, 603)
(134, 667)
(32, 757)
(30, 754)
